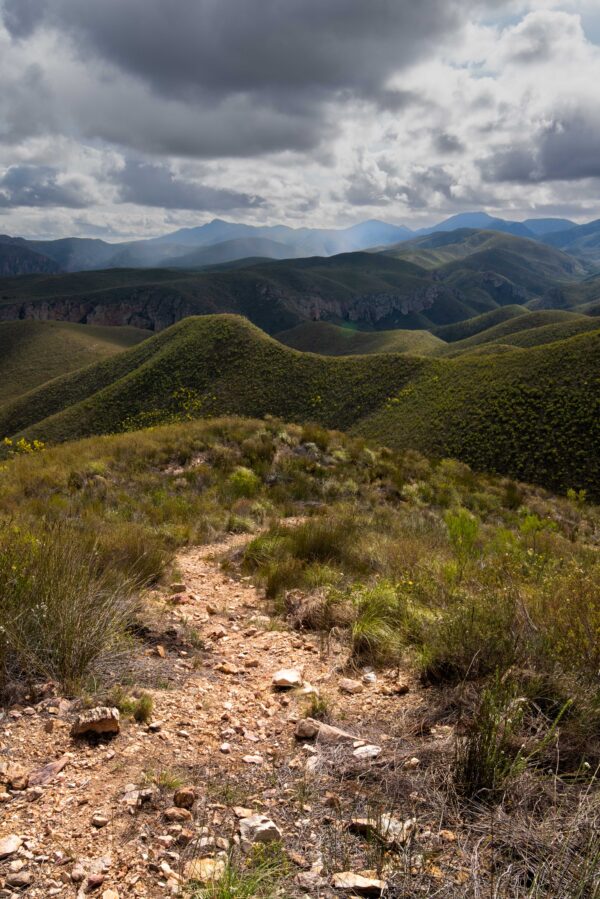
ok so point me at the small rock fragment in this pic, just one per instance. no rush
(259, 829)
(19, 880)
(178, 814)
(9, 845)
(185, 797)
(367, 752)
(352, 687)
(310, 880)
(205, 870)
(77, 873)
(253, 759)
(43, 776)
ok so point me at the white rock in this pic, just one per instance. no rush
(259, 829)
(287, 679)
(100, 720)
(206, 870)
(367, 752)
(9, 845)
(253, 759)
(356, 883)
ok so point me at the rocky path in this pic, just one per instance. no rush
(129, 816)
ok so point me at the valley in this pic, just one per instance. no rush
(314, 542)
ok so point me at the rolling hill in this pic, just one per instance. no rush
(567, 323)
(528, 413)
(532, 414)
(582, 241)
(519, 259)
(471, 326)
(333, 340)
(32, 352)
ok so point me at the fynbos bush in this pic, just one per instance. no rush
(61, 617)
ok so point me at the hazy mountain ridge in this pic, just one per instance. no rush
(422, 284)
(273, 241)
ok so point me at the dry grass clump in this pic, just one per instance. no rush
(62, 616)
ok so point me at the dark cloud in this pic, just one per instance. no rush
(238, 78)
(568, 149)
(21, 17)
(155, 185)
(37, 186)
(241, 46)
(448, 143)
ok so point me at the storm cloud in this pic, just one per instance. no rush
(39, 186)
(155, 185)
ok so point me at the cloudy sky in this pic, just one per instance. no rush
(123, 118)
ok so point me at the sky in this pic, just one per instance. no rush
(131, 118)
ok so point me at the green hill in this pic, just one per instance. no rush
(505, 332)
(525, 262)
(33, 352)
(479, 323)
(551, 333)
(532, 414)
(333, 340)
(232, 366)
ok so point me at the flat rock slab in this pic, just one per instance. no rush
(351, 687)
(43, 776)
(100, 721)
(357, 884)
(309, 729)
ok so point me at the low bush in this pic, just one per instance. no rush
(62, 617)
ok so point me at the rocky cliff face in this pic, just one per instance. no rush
(156, 308)
(153, 309)
(17, 260)
(370, 308)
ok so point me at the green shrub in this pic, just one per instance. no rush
(139, 708)
(382, 622)
(243, 483)
(489, 756)
(61, 617)
(472, 636)
(463, 531)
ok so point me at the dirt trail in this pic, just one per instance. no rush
(217, 724)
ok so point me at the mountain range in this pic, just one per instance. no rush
(219, 242)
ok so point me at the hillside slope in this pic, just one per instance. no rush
(530, 321)
(19, 259)
(471, 326)
(32, 353)
(532, 414)
(333, 340)
(231, 366)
